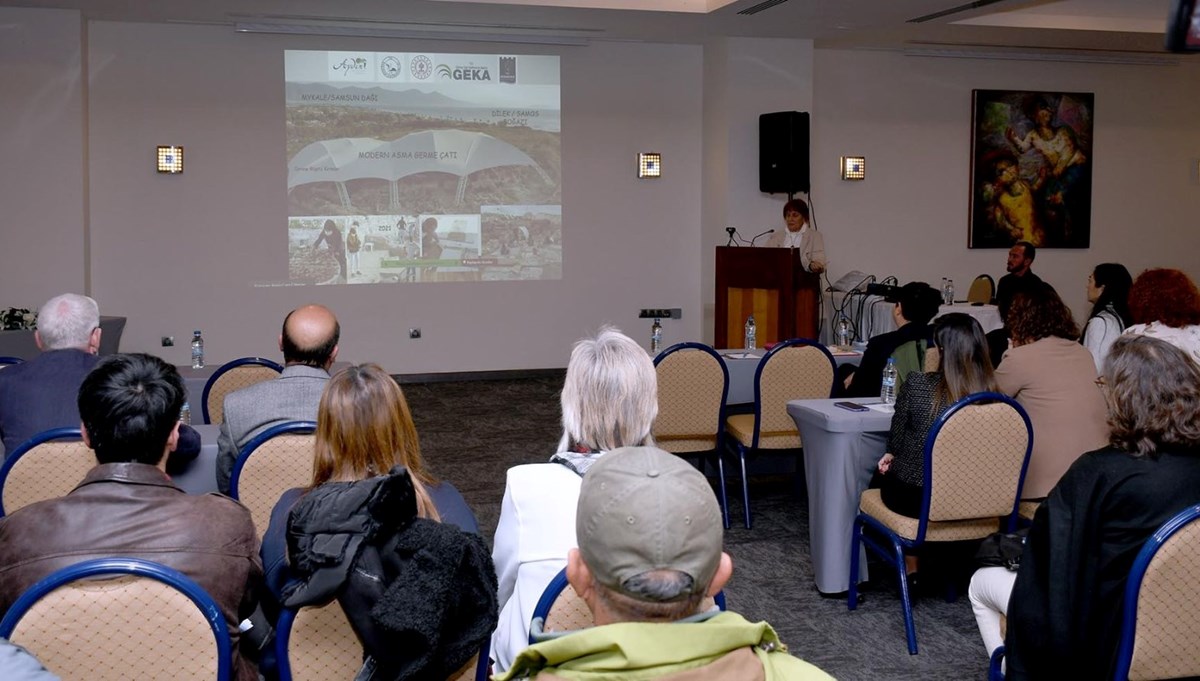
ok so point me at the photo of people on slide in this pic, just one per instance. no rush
(420, 157)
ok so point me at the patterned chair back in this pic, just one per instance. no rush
(982, 290)
(692, 385)
(48, 466)
(233, 376)
(1162, 604)
(795, 370)
(121, 618)
(317, 643)
(279, 459)
(979, 455)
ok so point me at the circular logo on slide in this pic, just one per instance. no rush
(422, 67)
(390, 67)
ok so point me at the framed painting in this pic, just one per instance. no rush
(1031, 169)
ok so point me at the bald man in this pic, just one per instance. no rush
(309, 342)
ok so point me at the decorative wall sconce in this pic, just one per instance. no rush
(170, 160)
(854, 167)
(649, 165)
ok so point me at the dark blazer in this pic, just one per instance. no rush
(41, 394)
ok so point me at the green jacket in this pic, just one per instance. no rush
(720, 646)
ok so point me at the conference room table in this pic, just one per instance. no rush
(841, 451)
(743, 363)
(200, 477)
(872, 315)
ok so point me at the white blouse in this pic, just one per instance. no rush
(1186, 338)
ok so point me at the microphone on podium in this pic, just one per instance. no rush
(769, 231)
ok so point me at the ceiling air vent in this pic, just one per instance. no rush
(764, 5)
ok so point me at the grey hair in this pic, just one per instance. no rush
(67, 321)
(655, 596)
(610, 397)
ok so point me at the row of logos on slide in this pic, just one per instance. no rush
(380, 66)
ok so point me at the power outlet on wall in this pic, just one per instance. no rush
(414, 334)
(168, 341)
(661, 313)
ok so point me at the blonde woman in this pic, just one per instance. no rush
(609, 400)
(364, 428)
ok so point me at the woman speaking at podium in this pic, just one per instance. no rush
(801, 235)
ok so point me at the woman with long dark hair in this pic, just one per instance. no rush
(1108, 292)
(964, 367)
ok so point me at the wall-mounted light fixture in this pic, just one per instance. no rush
(170, 159)
(854, 168)
(649, 165)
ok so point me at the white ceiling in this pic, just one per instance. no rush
(1110, 26)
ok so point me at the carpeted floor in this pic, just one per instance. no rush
(472, 432)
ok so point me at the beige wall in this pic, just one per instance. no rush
(910, 116)
(176, 253)
(42, 217)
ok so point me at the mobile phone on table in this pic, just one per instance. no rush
(850, 406)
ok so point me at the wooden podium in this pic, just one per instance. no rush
(771, 284)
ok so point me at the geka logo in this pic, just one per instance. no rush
(447, 72)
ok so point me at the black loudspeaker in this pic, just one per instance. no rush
(783, 152)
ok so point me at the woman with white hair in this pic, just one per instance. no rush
(609, 400)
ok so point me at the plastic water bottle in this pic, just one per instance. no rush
(197, 350)
(949, 292)
(887, 390)
(185, 415)
(656, 336)
(842, 332)
(751, 333)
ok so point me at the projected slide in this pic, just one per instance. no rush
(422, 167)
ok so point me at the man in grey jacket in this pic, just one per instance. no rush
(309, 342)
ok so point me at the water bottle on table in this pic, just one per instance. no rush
(656, 337)
(887, 390)
(197, 350)
(948, 294)
(843, 335)
(751, 336)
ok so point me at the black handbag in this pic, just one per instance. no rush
(1002, 549)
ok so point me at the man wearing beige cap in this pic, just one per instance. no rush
(650, 538)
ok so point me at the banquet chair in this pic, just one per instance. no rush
(232, 376)
(316, 643)
(933, 357)
(797, 369)
(976, 456)
(982, 290)
(560, 609)
(121, 618)
(693, 383)
(47, 466)
(276, 460)
(6, 361)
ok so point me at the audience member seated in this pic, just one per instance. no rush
(40, 394)
(1166, 305)
(419, 593)
(1054, 378)
(609, 400)
(1020, 277)
(309, 342)
(17, 664)
(650, 542)
(364, 429)
(1064, 614)
(127, 506)
(964, 368)
(1108, 292)
(917, 304)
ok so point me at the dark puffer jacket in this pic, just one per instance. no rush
(420, 595)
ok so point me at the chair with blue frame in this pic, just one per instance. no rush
(232, 376)
(47, 466)
(9, 361)
(316, 643)
(976, 455)
(693, 383)
(121, 618)
(1160, 621)
(561, 609)
(276, 460)
(797, 369)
